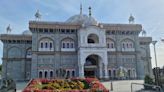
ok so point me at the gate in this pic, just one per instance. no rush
(138, 87)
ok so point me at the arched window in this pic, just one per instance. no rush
(45, 74)
(129, 73)
(68, 45)
(110, 45)
(51, 74)
(68, 74)
(41, 44)
(127, 45)
(130, 45)
(134, 73)
(109, 71)
(46, 44)
(40, 74)
(28, 53)
(73, 73)
(50, 45)
(91, 41)
(57, 73)
(114, 73)
(123, 45)
(72, 45)
(93, 38)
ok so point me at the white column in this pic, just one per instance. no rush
(106, 72)
(70, 73)
(100, 71)
(112, 73)
(131, 73)
(48, 73)
(135, 75)
(81, 71)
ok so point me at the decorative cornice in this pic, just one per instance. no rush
(145, 39)
(15, 37)
(65, 25)
(126, 27)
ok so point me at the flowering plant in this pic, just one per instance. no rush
(65, 85)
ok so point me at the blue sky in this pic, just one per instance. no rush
(149, 13)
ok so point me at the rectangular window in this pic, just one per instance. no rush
(72, 31)
(67, 31)
(40, 30)
(46, 30)
(107, 45)
(51, 30)
(62, 31)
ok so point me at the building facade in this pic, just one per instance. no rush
(78, 47)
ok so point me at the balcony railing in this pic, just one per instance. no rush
(28, 56)
(46, 49)
(128, 49)
(111, 49)
(67, 49)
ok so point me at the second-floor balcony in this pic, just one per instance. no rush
(128, 49)
(28, 56)
(46, 49)
(67, 49)
(111, 49)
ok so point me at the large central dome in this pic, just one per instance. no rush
(82, 19)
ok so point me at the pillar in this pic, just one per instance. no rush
(4, 68)
(81, 71)
(106, 72)
(34, 66)
(100, 71)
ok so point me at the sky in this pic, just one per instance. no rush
(149, 13)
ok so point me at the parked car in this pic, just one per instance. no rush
(7, 85)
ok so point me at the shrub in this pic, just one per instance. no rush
(148, 80)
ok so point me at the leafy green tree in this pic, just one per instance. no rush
(148, 80)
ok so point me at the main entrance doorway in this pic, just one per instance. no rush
(89, 73)
(91, 68)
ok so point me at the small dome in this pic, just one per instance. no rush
(27, 32)
(143, 33)
(82, 19)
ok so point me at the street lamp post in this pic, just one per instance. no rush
(156, 72)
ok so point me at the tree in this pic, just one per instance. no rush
(148, 80)
(0, 67)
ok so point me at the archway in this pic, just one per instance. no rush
(93, 38)
(92, 66)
